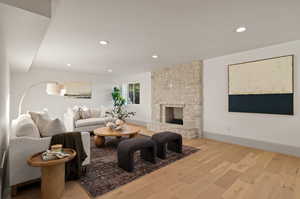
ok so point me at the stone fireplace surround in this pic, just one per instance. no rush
(179, 87)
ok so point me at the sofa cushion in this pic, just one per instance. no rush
(24, 126)
(90, 122)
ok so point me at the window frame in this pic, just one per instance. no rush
(133, 101)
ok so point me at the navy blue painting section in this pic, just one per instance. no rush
(262, 103)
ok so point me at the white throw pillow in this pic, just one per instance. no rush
(85, 113)
(76, 113)
(24, 126)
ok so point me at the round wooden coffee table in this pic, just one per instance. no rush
(101, 133)
(53, 173)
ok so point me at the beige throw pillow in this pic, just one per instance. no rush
(46, 126)
(52, 128)
(40, 119)
(36, 116)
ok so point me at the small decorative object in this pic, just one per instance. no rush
(111, 125)
(119, 110)
(118, 128)
(115, 125)
(52, 155)
(119, 122)
(56, 148)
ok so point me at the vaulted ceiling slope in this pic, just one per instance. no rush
(177, 31)
(22, 33)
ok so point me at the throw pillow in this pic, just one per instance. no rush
(95, 113)
(76, 113)
(24, 126)
(46, 126)
(41, 119)
(52, 128)
(85, 113)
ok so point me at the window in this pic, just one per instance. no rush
(133, 93)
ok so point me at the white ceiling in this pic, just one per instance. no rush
(41, 7)
(177, 30)
(22, 32)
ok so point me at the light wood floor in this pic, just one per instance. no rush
(217, 171)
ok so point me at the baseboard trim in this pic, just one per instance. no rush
(137, 122)
(268, 146)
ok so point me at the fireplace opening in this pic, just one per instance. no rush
(174, 115)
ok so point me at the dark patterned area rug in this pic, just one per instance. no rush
(104, 175)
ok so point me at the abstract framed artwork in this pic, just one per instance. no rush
(78, 90)
(262, 86)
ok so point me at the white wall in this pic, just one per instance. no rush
(37, 99)
(269, 128)
(4, 107)
(143, 110)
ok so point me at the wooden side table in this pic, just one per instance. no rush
(53, 173)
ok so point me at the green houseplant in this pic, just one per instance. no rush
(119, 109)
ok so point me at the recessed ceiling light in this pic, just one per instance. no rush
(154, 56)
(69, 64)
(109, 70)
(104, 43)
(241, 29)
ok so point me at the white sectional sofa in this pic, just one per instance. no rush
(95, 119)
(26, 140)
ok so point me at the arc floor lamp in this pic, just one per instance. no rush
(52, 88)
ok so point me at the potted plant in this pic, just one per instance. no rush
(119, 111)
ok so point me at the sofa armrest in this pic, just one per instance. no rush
(20, 149)
(69, 122)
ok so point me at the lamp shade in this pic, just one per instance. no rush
(53, 89)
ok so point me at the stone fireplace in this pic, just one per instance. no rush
(177, 100)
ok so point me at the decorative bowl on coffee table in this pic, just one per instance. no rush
(126, 131)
